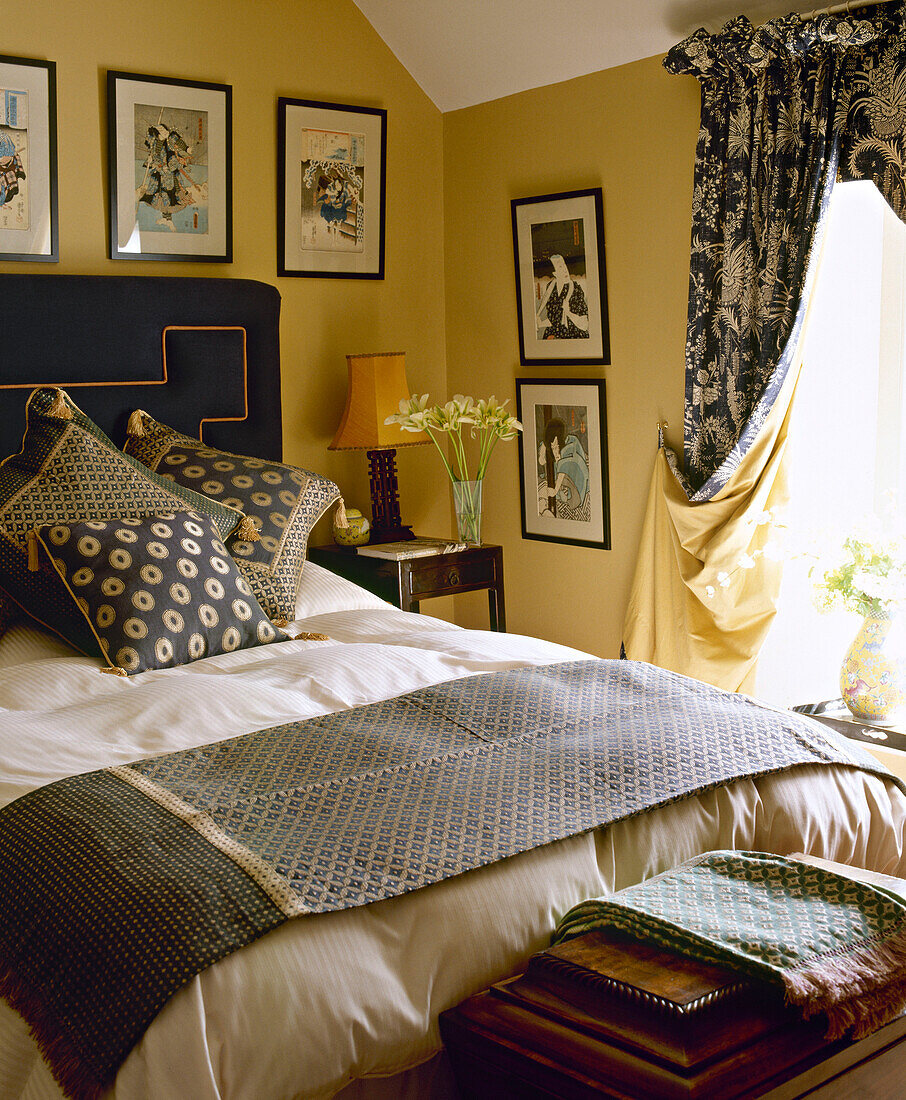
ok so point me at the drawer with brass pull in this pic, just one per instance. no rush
(453, 574)
(406, 583)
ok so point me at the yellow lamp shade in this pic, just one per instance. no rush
(377, 384)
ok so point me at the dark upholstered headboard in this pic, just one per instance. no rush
(202, 355)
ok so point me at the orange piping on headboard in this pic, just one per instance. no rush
(163, 381)
(84, 385)
(245, 370)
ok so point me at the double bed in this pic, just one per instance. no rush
(337, 1003)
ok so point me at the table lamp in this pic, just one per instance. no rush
(377, 384)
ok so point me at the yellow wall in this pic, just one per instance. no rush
(448, 298)
(632, 131)
(264, 48)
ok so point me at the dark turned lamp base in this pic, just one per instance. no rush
(386, 523)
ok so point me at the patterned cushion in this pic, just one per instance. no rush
(67, 470)
(283, 502)
(157, 591)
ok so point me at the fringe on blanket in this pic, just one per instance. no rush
(863, 989)
(66, 1060)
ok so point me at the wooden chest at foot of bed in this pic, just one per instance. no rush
(601, 1016)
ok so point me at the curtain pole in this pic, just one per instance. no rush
(835, 9)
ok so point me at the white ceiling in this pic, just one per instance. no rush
(463, 52)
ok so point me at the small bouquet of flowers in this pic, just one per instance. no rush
(487, 422)
(864, 572)
(866, 575)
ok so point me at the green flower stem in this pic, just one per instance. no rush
(461, 459)
(487, 449)
(440, 451)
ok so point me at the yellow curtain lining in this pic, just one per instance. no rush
(671, 621)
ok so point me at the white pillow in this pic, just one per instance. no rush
(27, 641)
(321, 592)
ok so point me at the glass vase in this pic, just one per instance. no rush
(873, 676)
(467, 505)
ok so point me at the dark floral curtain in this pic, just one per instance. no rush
(873, 133)
(774, 99)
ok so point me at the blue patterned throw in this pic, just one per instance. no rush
(118, 886)
(835, 945)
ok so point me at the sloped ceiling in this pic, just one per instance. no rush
(463, 52)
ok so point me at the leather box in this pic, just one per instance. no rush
(606, 1016)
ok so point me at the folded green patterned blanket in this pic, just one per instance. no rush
(835, 945)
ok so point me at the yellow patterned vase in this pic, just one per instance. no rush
(873, 676)
(356, 533)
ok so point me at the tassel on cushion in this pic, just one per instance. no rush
(302, 635)
(136, 425)
(34, 561)
(339, 517)
(115, 671)
(58, 407)
(247, 531)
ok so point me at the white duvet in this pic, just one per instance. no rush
(325, 1000)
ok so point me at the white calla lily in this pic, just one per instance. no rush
(487, 420)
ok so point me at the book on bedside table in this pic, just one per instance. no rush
(413, 548)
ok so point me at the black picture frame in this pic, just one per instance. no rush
(29, 224)
(568, 225)
(567, 499)
(328, 154)
(193, 221)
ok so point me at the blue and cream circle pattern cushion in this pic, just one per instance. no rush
(284, 502)
(157, 591)
(67, 469)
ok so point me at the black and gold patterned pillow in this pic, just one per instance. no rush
(156, 591)
(284, 502)
(67, 470)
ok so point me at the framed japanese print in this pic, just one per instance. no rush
(561, 289)
(170, 165)
(563, 460)
(28, 160)
(330, 190)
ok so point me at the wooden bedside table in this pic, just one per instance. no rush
(406, 583)
(885, 743)
(891, 737)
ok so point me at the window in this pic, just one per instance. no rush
(847, 439)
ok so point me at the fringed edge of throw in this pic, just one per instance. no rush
(58, 1050)
(862, 989)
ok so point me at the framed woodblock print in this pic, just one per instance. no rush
(170, 166)
(330, 189)
(28, 160)
(561, 286)
(563, 460)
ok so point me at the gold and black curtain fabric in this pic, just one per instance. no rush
(773, 98)
(784, 107)
(873, 132)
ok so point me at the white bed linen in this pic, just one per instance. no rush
(325, 999)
